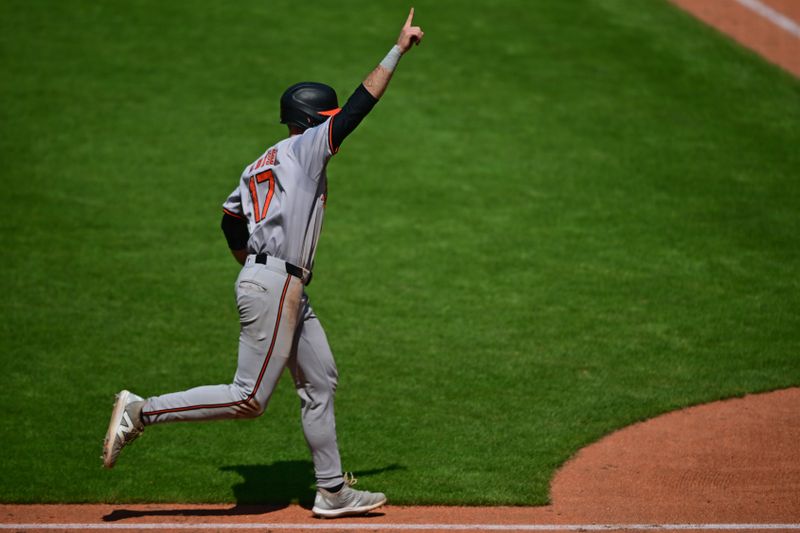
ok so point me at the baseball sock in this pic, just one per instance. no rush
(337, 488)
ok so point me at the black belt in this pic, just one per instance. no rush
(291, 269)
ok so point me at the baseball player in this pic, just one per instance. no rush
(272, 222)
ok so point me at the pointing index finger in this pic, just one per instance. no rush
(410, 17)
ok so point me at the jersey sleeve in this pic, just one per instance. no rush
(313, 149)
(357, 107)
(233, 204)
(235, 230)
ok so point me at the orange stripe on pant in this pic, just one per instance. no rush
(252, 393)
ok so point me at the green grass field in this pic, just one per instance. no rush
(563, 217)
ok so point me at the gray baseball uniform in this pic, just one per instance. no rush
(272, 222)
(282, 197)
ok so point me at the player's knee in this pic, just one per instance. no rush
(318, 398)
(325, 387)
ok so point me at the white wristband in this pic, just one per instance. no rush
(390, 61)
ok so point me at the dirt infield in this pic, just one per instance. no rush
(769, 27)
(722, 465)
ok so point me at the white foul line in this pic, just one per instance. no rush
(773, 16)
(411, 527)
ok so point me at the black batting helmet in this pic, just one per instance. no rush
(307, 104)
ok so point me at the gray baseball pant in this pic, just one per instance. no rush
(278, 329)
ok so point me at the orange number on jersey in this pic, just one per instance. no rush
(267, 175)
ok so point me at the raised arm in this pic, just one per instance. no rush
(378, 79)
(369, 92)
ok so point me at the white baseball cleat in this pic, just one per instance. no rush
(346, 502)
(125, 425)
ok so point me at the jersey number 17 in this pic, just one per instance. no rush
(255, 184)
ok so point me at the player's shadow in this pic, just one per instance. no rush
(264, 489)
(283, 482)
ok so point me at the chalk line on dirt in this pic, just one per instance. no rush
(776, 17)
(410, 527)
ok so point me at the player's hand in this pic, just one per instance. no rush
(409, 34)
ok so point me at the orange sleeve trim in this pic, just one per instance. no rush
(231, 213)
(330, 136)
